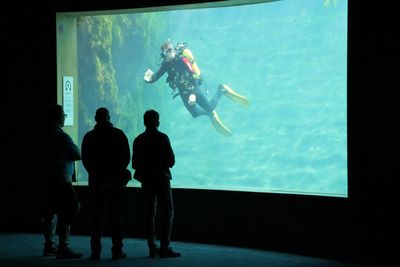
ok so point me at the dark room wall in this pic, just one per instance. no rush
(337, 227)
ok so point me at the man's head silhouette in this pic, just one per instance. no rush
(151, 119)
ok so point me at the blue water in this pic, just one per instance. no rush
(289, 58)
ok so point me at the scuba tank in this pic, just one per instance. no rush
(186, 53)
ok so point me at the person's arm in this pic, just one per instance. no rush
(170, 156)
(135, 155)
(86, 154)
(72, 149)
(151, 77)
(123, 157)
(125, 151)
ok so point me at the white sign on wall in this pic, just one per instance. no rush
(68, 99)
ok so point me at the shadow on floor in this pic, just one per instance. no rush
(25, 250)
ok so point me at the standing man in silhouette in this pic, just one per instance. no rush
(60, 202)
(106, 156)
(152, 159)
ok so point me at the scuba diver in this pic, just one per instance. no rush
(184, 75)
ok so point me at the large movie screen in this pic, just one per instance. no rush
(256, 103)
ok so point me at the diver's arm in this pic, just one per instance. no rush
(151, 77)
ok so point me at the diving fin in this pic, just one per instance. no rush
(231, 94)
(218, 125)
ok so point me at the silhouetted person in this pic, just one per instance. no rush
(61, 204)
(106, 156)
(152, 159)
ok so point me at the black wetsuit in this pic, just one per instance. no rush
(180, 77)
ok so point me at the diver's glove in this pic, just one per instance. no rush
(148, 75)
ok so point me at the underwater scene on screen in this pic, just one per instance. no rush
(283, 125)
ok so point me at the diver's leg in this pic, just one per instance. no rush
(208, 107)
(214, 101)
(202, 101)
(194, 109)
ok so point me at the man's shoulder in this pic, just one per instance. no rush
(118, 130)
(164, 135)
(140, 136)
(156, 134)
(58, 132)
(120, 133)
(88, 134)
(163, 138)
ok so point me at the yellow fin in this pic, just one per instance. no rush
(231, 94)
(219, 126)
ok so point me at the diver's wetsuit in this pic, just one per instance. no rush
(181, 77)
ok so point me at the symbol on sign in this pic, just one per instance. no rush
(68, 86)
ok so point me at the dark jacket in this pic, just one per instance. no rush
(105, 155)
(61, 152)
(152, 156)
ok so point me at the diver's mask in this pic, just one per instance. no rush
(167, 51)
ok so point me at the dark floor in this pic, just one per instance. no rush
(26, 249)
